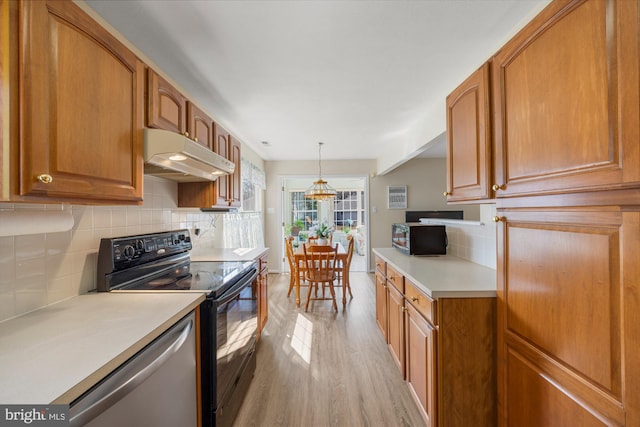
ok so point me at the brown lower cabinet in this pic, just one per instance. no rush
(568, 325)
(445, 349)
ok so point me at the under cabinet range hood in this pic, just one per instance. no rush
(173, 156)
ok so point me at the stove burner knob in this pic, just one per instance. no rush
(140, 245)
(129, 252)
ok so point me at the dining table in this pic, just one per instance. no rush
(341, 256)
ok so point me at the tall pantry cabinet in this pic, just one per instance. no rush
(565, 99)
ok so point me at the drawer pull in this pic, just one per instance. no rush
(45, 178)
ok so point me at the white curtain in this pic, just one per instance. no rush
(243, 230)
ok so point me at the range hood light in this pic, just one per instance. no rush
(177, 157)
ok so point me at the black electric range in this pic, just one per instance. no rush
(160, 262)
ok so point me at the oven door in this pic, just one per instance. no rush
(230, 326)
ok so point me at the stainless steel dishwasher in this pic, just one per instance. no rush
(156, 387)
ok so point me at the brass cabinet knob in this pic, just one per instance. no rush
(195, 138)
(414, 299)
(497, 187)
(45, 178)
(404, 309)
(186, 134)
(498, 218)
(446, 193)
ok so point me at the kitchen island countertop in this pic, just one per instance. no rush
(443, 276)
(54, 354)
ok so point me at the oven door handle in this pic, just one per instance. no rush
(129, 383)
(235, 290)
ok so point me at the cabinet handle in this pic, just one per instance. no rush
(404, 309)
(446, 193)
(498, 218)
(186, 134)
(195, 139)
(414, 299)
(497, 187)
(45, 178)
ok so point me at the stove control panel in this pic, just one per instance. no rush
(116, 254)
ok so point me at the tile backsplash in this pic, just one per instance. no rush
(41, 269)
(475, 241)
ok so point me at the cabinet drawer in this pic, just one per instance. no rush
(395, 278)
(425, 305)
(381, 266)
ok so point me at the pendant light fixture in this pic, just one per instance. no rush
(320, 190)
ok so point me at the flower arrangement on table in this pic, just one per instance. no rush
(323, 230)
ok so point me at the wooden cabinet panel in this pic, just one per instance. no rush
(199, 126)
(381, 266)
(381, 304)
(166, 106)
(566, 100)
(469, 172)
(562, 294)
(421, 363)
(395, 333)
(395, 278)
(81, 108)
(235, 179)
(425, 305)
(466, 352)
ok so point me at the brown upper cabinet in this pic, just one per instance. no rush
(76, 132)
(469, 141)
(166, 106)
(558, 106)
(199, 126)
(566, 101)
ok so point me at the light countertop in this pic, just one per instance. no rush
(227, 254)
(55, 354)
(443, 276)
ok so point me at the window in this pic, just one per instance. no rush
(348, 209)
(303, 209)
(253, 185)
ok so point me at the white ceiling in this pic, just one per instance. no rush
(368, 78)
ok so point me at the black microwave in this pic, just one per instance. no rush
(419, 239)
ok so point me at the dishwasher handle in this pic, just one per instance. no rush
(130, 382)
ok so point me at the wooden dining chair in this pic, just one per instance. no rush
(320, 262)
(342, 270)
(294, 268)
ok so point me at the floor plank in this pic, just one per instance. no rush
(323, 368)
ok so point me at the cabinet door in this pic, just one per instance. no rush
(395, 337)
(469, 139)
(563, 292)
(381, 304)
(166, 107)
(222, 146)
(199, 126)
(421, 363)
(81, 109)
(235, 179)
(566, 100)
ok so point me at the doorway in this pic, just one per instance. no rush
(348, 214)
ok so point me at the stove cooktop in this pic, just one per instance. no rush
(213, 276)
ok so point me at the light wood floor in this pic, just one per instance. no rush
(323, 368)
